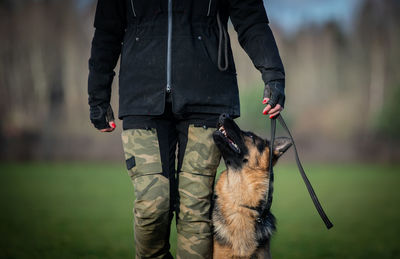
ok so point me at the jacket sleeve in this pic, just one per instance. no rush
(109, 23)
(250, 21)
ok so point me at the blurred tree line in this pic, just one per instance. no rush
(343, 85)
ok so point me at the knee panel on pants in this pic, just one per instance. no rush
(151, 206)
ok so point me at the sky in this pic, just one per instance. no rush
(290, 15)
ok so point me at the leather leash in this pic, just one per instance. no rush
(310, 189)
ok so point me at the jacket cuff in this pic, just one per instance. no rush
(99, 88)
(280, 84)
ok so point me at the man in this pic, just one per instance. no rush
(177, 74)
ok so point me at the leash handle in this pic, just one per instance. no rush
(271, 148)
(310, 189)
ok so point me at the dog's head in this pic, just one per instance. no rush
(245, 149)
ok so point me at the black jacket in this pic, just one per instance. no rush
(172, 46)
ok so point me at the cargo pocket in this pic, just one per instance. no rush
(201, 156)
(142, 153)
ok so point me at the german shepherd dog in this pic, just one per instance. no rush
(243, 224)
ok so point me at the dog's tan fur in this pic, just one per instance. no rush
(235, 190)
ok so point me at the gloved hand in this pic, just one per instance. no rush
(274, 97)
(102, 117)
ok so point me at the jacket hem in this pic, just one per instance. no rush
(234, 113)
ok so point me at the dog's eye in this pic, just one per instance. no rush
(248, 134)
(252, 138)
(245, 160)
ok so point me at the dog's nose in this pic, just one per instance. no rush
(223, 117)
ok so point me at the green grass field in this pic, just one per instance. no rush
(83, 210)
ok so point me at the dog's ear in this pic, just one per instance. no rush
(281, 145)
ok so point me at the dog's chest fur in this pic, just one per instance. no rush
(235, 223)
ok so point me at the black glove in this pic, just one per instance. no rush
(275, 91)
(101, 115)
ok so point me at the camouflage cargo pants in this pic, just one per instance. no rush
(159, 191)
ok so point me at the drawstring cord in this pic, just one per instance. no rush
(222, 36)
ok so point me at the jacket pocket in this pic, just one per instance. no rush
(142, 75)
(209, 48)
(194, 69)
(143, 56)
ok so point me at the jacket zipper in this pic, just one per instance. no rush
(133, 8)
(209, 8)
(168, 88)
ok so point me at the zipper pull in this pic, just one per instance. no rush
(168, 88)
